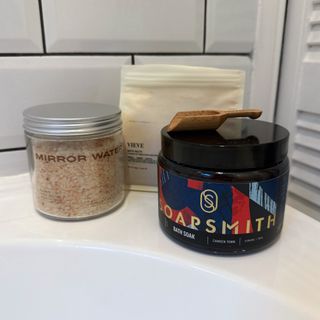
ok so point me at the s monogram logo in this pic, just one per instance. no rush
(209, 201)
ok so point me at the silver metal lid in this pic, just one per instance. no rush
(72, 119)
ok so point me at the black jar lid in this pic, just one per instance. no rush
(239, 144)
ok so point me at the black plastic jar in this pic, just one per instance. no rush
(224, 191)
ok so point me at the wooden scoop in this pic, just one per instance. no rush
(208, 119)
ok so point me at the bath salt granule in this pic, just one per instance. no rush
(76, 159)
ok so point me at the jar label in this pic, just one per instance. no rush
(221, 216)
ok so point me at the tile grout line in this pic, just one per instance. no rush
(106, 54)
(12, 149)
(42, 27)
(280, 64)
(205, 26)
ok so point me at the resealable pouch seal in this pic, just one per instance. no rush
(152, 94)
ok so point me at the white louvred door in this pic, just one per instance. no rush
(299, 103)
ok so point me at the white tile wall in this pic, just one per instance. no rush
(228, 62)
(28, 81)
(231, 25)
(20, 28)
(124, 26)
(104, 31)
(13, 162)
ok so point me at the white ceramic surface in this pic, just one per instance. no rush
(28, 81)
(225, 61)
(122, 266)
(20, 30)
(124, 26)
(231, 26)
(61, 281)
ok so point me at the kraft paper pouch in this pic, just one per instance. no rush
(152, 94)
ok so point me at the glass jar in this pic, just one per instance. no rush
(76, 154)
(224, 191)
